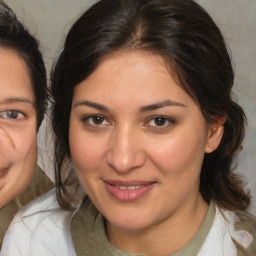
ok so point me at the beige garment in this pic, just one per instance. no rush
(39, 185)
(89, 236)
(247, 223)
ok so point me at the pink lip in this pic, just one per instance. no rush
(126, 195)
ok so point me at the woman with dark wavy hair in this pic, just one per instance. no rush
(143, 109)
(23, 101)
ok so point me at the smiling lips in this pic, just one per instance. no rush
(128, 191)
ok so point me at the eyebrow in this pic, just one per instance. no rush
(162, 104)
(87, 103)
(17, 100)
(151, 107)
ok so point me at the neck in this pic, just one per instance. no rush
(166, 237)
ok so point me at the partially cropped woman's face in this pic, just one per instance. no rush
(137, 141)
(18, 148)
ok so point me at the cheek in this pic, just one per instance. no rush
(178, 154)
(24, 141)
(19, 143)
(20, 160)
(86, 151)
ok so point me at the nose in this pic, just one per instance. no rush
(125, 152)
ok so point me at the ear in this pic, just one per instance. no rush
(215, 133)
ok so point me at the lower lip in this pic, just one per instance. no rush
(125, 195)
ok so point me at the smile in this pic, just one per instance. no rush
(128, 191)
(128, 188)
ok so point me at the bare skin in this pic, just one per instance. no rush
(18, 127)
(138, 141)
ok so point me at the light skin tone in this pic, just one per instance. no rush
(137, 141)
(18, 126)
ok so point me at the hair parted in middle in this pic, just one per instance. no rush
(188, 40)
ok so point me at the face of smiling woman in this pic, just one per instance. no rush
(137, 141)
(18, 149)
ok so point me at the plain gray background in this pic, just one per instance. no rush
(50, 20)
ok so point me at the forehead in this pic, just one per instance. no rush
(15, 79)
(139, 77)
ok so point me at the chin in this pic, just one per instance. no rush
(129, 221)
(129, 226)
(4, 200)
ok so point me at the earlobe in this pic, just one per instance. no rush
(215, 134)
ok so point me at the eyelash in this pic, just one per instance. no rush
(86, 120)
(167, 122)
(6, 114)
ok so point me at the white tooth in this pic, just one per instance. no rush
(128, 188)
(131, 187)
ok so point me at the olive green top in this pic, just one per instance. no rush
(89, 236)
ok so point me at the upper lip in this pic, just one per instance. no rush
(129, 183)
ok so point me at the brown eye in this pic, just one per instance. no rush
(97, 120)
(160, 121)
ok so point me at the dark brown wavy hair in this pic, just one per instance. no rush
(185, 36)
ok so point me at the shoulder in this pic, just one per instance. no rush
(247, 223)
(40, 227)
(231, 234)
(42, 209)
